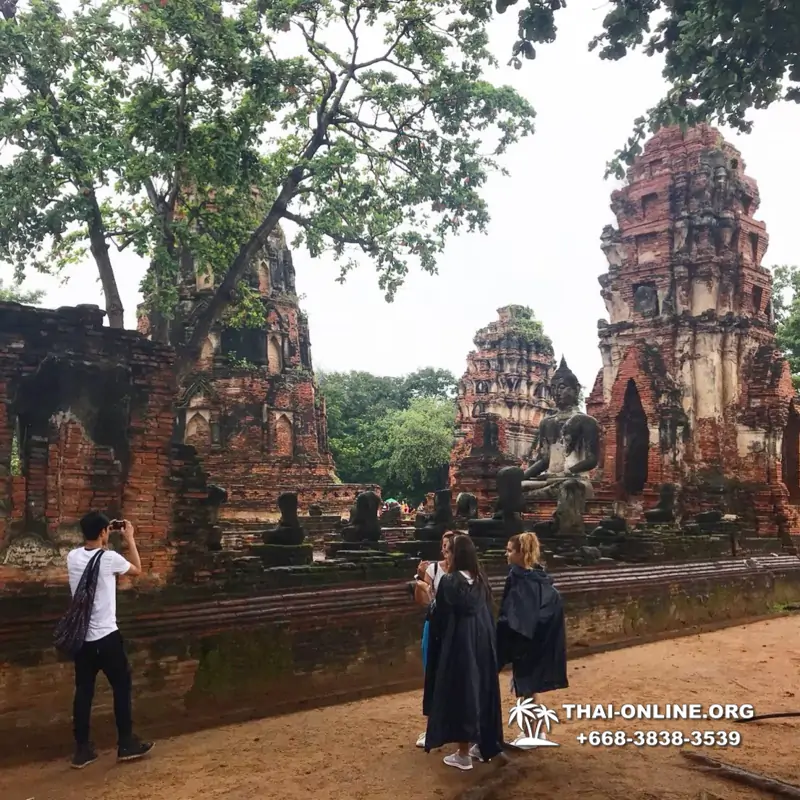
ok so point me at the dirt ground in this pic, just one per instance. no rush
(365, 750)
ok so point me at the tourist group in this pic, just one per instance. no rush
(463, 649)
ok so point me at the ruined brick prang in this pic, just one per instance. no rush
(86, 422)
(692, 389)
(502, 398)
(251, 406)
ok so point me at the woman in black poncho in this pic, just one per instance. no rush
(462, 688)
(531, 634)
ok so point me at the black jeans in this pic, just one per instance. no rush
(106, 654)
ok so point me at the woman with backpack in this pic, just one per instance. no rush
(429, 574)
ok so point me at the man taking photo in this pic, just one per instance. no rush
(102, 648)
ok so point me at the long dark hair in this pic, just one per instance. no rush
(465, 559)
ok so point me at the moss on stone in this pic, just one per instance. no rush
(242, 661)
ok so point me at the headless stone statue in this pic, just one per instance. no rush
(466, 506)
(664, 512)
(568, 447)
(440, 521)
(507, 520)
(216, 497)
(364, 525)
(288, 530)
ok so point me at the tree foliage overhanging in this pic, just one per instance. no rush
(189, 129)
(393, 431)
(722, 57)
(14, 294)
(786, 309)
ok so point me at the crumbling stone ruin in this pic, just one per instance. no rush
(251, 406)
(502, 397)
(693, 390)
(86, 422)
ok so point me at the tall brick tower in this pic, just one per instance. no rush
(502, 398)
(251, 406)
(693, 390)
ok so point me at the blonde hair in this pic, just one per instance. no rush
(528, 545)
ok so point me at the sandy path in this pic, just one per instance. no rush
(366, 750)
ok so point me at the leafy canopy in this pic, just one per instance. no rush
(786, 309)
(369, 416)
(722, 57)
(13, 294)
(187, 130)
(412, 448)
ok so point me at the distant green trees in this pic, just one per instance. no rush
(786, 308)
(13, 294)
(393, 431)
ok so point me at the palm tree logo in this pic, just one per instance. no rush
(522, 714)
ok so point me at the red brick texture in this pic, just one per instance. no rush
(691, 329)
(89, 411)
(251, 407)
(505, 393)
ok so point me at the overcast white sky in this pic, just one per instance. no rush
(542, 248)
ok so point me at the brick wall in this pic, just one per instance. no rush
(89, 410)
(198, 662)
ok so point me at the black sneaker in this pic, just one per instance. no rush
(133, 749)
(84, 755)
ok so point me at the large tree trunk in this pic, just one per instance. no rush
(99, 248)
(190, 352)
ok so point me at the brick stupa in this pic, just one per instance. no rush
(502, 398)
(693, 389)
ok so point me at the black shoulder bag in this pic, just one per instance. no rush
(70, 633)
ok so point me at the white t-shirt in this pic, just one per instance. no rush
(435, 572)
(103, 619)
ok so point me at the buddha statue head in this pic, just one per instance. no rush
(564, 387)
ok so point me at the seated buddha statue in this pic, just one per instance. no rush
(568, 444)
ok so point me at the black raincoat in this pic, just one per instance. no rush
(531, 634)
(462, 688)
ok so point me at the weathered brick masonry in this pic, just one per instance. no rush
(251, 406)
(502, 398)
(86, 422)
(693, 390)
(250, 643)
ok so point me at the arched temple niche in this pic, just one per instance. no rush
(790, 455)
(274, 355)
(633, 442)
(284, 436)
(198, 429)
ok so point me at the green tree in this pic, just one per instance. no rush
(13, 294)
(188, 130)
(411, 448)
(722, 57)
(430, 382)
(786, 309)
(362, 419)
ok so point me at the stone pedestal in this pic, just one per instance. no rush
(284, 555)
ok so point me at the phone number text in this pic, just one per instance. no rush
(660, 738)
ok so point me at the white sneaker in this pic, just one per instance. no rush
(421, 741)
(475, 752)
(457, 761)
